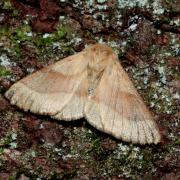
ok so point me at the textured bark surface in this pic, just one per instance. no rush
(144, 34)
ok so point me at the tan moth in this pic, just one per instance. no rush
(90, 84)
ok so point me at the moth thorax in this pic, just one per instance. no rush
(94, 77)
(98, 63)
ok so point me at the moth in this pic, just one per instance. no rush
(90, 84)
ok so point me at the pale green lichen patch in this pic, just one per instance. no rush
(9, 141)
(6, 4)
(4, 73)
(48, 39)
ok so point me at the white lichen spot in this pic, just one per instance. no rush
(132, 27)
(152, 104)
(29, 34)
(30, 70)
(145, 80)
(171, 136)
(101, 7)
(56, 45)
(90, 2)
(124, 43)
(154, 4)
(5, 61)
(163, 79)
(161, 71)
(176, 22)
(155, 96)
(101, 41)
(69, 156)
(33, 153)
(159, 31)
(46, 35)
(14, 136)
(41, 126)
(13, 145)
(121, 150)
(101, 1)
(58, 151)
(176, 96)
(157, 7)
(76, 40)
(131, 4)
(26, 22)
(61, 17)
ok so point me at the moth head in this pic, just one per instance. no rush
(99, 56)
